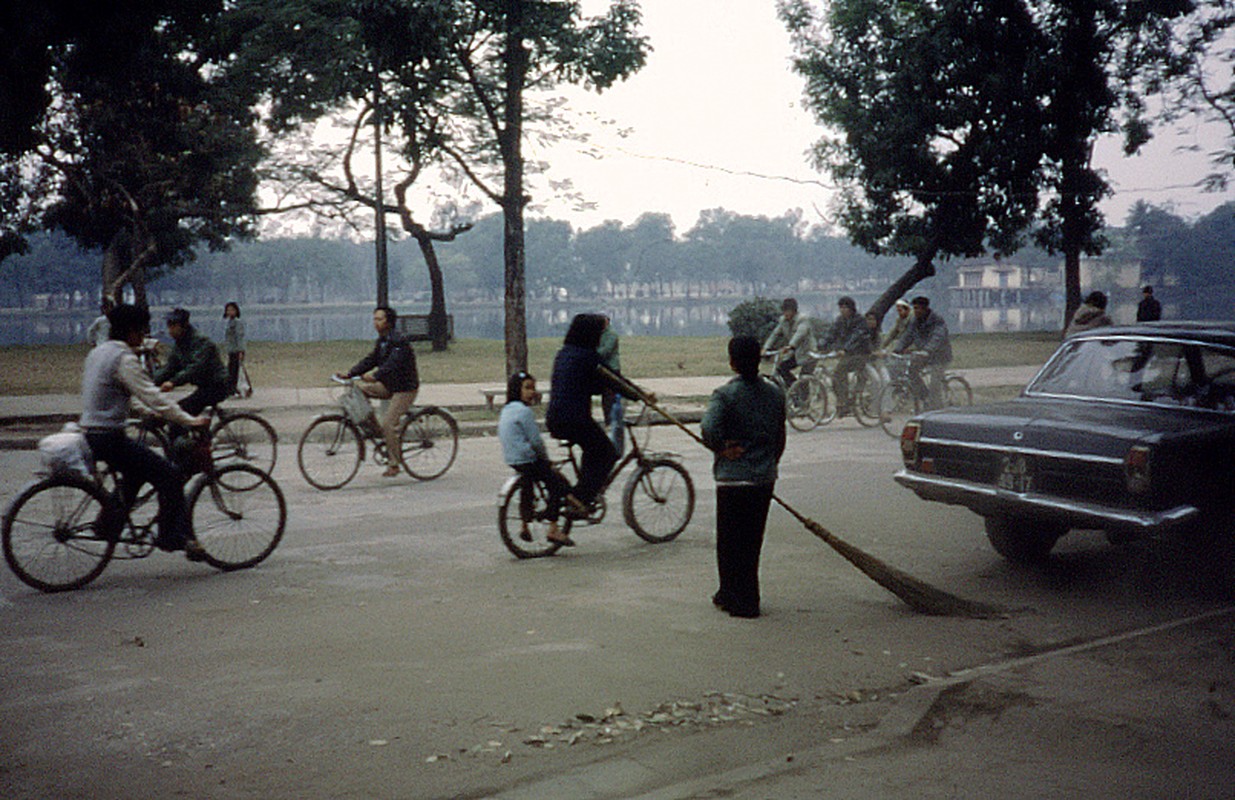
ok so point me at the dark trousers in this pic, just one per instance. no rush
(138, 465)
(741, 518)
(203, 397)
(598, 456)
(233, 372)
(840, 379)
(542, 471)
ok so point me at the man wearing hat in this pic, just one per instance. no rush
(851, 340)
(926, 339)
(194, 360)
(904, 313)
(797, 333)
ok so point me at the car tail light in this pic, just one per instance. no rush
(909, 442)
(1136, 469)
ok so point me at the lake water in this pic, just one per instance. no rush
(702, 318)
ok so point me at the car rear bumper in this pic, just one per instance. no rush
(993, 501)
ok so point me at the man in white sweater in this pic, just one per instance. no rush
(112, 375)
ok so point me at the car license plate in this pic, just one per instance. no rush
(1015, 474)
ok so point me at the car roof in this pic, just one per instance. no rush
(1215, 332)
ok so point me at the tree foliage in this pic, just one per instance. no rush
(118, 131)
(962, 123)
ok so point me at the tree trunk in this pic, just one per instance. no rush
(923, 268)
(512, 198)
(437, 303)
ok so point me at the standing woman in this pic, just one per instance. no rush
(744, 426)
(234, 346)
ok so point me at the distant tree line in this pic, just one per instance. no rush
(724, 253)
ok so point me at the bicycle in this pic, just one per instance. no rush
(238, 437)
(62, 530)
(898, 402)
(657, 501)
(333, 446)
(806, 400)
(864, 387)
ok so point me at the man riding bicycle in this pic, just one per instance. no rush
(797, 333)
(394, 378)
(112, 375)
(851, 340)
(194, 360)
(926, 340)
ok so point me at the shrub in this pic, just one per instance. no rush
(754, 318)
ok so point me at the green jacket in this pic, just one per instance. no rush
(751, 413)
(194, 360)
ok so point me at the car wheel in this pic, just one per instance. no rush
(1020, 540)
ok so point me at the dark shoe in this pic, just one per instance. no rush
(193, 551)
(720, 601)
(391, 472)
(743, 613)
(168, 545)
(525, 535)
(563, 541)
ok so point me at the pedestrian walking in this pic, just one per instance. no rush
(610, 400)
(744, 427)
(1149, 309)
(234, 346)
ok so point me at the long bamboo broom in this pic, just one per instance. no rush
(917, 594)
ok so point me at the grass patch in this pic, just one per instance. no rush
(56, 369)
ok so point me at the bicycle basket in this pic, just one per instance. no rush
(355, 405)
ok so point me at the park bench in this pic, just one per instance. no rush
(491, 394)
(416, 327)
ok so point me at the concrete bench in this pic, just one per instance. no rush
(491, 395)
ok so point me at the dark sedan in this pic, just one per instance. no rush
(1130, 430)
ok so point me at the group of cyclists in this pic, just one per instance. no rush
(917, 332)
(114, 375)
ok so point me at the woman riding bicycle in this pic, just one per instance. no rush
(112, 375)
(577, 377)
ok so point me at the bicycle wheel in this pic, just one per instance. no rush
(659, 500)
(430, 440)
(60, 533)
(826, 404)
(244, 438)
(896, 406)
(510, 518)
(866, 403)
(956, 391)
(330, 452)
(806, 404)
(237, 528)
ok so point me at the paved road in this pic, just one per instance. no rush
(391, 648)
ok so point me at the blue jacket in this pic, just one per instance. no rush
(519, 435)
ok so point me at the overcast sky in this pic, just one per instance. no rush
(715, 120)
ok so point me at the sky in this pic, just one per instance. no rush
(714, 120)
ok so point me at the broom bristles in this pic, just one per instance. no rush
(919, 595)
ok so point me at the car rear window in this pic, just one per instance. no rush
(1159, 372)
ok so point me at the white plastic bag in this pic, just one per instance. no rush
(66, 452)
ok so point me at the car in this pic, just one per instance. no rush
(1126, 429)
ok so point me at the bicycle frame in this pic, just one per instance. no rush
(636, 453)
